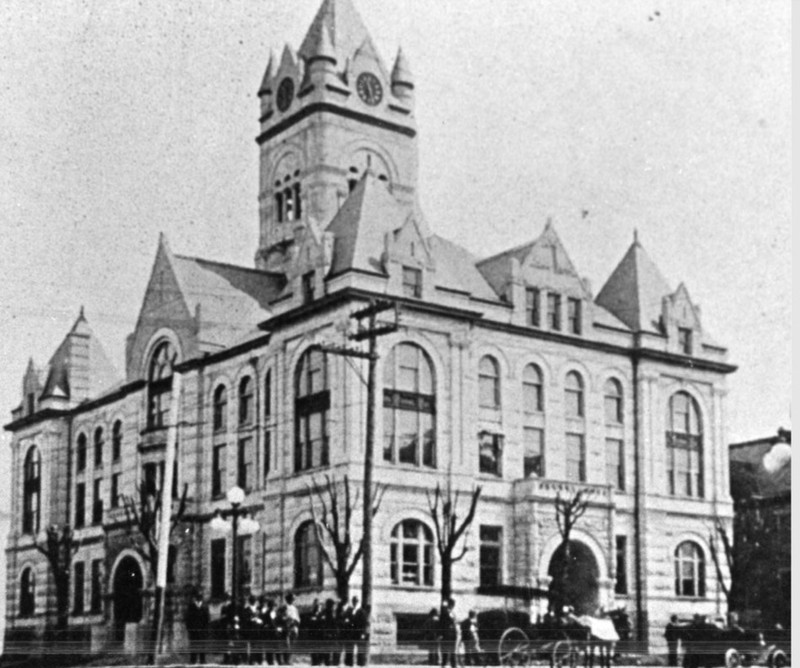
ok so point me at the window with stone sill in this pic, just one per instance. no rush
(411, 554)
(690, 571)
(490, 453)
(533, 456)
(116, 441)
(573, 395)
(576, 457)
(684, 440)
(159, 388)
(98, 447)
(412, 282)
(574, 315)
(27, 592)
(219, 470)
(554, 311)
(490, 557)
(308, 287)
(532, 389)
(311, 406)
(533, 307)
(246, 401)
(685, 340)
(489, 383)
(80, 453)
(31, 491)
(288, 201)
(308, 558)
(220, 409)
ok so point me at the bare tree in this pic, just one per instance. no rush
(59, 547)
(335, 522)
(443, 509)
(568, 512)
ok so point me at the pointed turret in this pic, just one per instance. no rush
(265, 90)
(402, 79)
(345, 28)
(322, 48)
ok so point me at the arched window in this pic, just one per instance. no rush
(532, 389)
(308, 559)
(684, 446)
(220, 418)
(160, 384)
(612, 393)
(489, 383)
(27, 593)
(409, 407)
(116, 441)
(311, 406)
(411, 554)
(31, 490)
(246, 401)
(98, 447)
(690, 570)
(573, 395)
(80, 453)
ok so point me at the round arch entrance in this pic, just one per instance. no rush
(581, 587)
(127, 590)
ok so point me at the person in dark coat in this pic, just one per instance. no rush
(346, 630)
(433, 636)
(361, 633)
(197, 620)
(448, 633)
(330, 634)
(269, 632)
(471, 640)
(672, 634)
(314, 633)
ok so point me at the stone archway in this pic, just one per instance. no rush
(127, 592)
(581, 586)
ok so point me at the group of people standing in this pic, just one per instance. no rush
(442, 637)
(260, 631)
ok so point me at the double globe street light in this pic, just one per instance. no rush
(246, 525)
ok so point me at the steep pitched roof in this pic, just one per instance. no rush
(635, 290)
(345, 29)
(456, 269)
(360, 226)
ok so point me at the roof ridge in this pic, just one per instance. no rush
(195, 258)
(513, 249)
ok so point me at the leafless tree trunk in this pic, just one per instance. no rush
(59, 548)
(568, 512)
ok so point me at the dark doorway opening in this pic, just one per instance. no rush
(127, 595)
(580, 586)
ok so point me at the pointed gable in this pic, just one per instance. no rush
(635, 291)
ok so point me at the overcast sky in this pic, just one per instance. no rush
(124, 119)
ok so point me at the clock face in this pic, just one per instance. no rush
(369, 88)
(285, 94)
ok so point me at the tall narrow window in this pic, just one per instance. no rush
(116, 441)
(267, 423)
(613, 401)
(412, 282)
(97, 503)
(533, 461)
(27, 593)
(532, 389)
(31, 491)
(312, 403)
(491, 538)
(245, 401)
(96, 601)
(245, 464)
(159, 388)
(98, 447)
(576, 458)
(308, 559)
(411, 554)
(554, 311)
(79, 574)
(621, 584)
(80, 507)
(684, 446)
(289, 204)
(80, 453)
(409, 407)
(574, 315)
(489, 383)
(490, 453)
(573, 395)
(615, 463)
(533, 307)
(218, 470)
(298, 202)
(308, 287)
(244, 565)
(218, 568)
(220, 412)
(690, 571)
(115, 478)
(685, 340)
(279, 207)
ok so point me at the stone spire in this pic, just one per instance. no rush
(346, 30)
(269, 74)
(402, 79)
(322, 48)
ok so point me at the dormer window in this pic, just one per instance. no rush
(533, 315)
(160, 385)
(412, 282)
(574, 315)
(554, 311)
(685, 340)
(308, 287)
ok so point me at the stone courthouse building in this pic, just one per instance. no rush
(505, 371)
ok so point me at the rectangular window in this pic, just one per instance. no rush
(613, 409)
(412, 282)
(308, 287)
(684, 466)
(244, 565)
(245, 464)
(116, 444)
(685, 340)
(80, 463)
(533, 307)
(80, 505)
(219, 470)
(615, 463)
(97, 504)
(554, 311)
(574, 315)
(490, 453)
(96, 601)
(217, 568)
(576, 458)
(621, 586)
(151, 480)
(115, 490)
(98, 449)
(533, 462)
(491, 564)
(77, 599)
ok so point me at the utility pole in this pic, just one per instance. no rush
(369, 333)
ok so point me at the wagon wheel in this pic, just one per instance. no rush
(565, 654)
(733, 659)
(461, 654)
(514, 648)
(778, 659)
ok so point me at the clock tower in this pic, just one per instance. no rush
(330, 111)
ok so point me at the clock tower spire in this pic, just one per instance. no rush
(327, 111)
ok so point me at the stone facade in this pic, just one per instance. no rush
(477, 330)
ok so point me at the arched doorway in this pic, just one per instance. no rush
(127, 595)
(580, 587)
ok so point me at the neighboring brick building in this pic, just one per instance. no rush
(506, 371)
(761, 487)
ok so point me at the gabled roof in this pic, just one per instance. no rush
(345, 29)
(361, 224)
(456, 269)
(635, 291)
